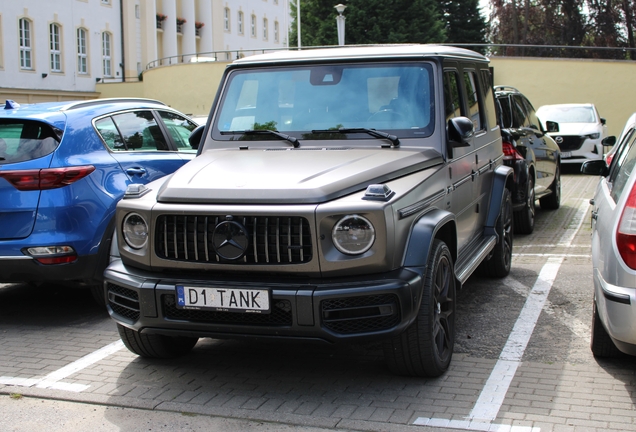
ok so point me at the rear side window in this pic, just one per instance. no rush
(472, 96)
(179, 129)
(624, 165)
(452, 100)
(132, 131)
(23, 140)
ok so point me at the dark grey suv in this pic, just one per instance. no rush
(338, 195)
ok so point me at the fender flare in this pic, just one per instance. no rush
(424, 231)
(503, 180)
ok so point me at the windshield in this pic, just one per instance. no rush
(297, 100)
(567, 114)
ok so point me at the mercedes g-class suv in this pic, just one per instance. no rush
(338, 194)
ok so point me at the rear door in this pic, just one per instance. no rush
(138, 142)
(26, 146)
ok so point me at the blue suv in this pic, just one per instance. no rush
(63, 167)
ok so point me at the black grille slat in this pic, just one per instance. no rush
(123, 301)
(280, 314)
(189, 238)
(347, 322)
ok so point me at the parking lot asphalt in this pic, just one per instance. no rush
(522, 361)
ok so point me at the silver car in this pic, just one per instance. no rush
(614, 251)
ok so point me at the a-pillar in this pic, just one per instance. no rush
(169, 8)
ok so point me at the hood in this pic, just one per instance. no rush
(274, 176)
(577, 129)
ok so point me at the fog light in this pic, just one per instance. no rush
(52, 254)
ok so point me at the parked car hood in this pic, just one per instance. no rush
(578, 129)
(310, 175)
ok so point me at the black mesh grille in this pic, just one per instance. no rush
(280, 314)
(573, 142)
(361, 314)
(271, 239)
(123, 301)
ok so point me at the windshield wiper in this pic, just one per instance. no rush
(282, 136)
(376, 133)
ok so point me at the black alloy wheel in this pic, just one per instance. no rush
(553, 201)
(524, 218)
(500, 261)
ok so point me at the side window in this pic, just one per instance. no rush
(490, 113)
(505, 111)
(179, 129)
(532, 115)
(518, 112)
(473, 99)
(23, 140)
(135, 131)
(452, 100)
(621, 170)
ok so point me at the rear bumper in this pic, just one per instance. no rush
(371, 307)
(26, 269)
(617, 308)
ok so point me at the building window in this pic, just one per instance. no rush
(25, 44)
(265, 29)
(106, 54)
(137, 12)
(55, 48)
(253, 26)
(106, 2)
(226, 19)
(276, 31)
(275, 1)
(240, 22)
(82, 54)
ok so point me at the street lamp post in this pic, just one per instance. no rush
(340, 22)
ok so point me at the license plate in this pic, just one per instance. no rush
(566, 154)
(222, 299)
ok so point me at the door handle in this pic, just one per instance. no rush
(136, 171)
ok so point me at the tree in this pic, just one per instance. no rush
(464, 21)
(369, 22)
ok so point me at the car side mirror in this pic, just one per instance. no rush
(551, 126)
(595, 167)
(460, 131)
(195, 137)
(609, 141)
(603, 121)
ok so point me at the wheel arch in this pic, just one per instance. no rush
(434, 224)
(503, 179)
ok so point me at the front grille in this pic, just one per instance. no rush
(271, 239)
(123, 301)
(280, 315)
(571, 142)
(363, 314)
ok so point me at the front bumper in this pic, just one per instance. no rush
(370, 307)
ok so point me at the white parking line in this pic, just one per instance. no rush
(53, 379)
(494, 392)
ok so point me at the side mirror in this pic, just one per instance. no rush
(551, 126)
(603, 121)
(595, 167)
(195, 137)
(609, 141)
(460, 131)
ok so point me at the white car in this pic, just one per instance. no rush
(581, 130)
(614, 251)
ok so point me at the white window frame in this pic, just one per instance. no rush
(240, 22)
(253, 26)
(226, 19)
(55, 47)
(82, 51)
(107, 54)
(265, 28)
(24, 39)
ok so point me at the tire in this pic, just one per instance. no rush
(499, 263)
(97, 291)
(601, 343)
(524, 218)
(425, 348)
(553, 201)
(154, 345)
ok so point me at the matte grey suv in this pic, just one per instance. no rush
(338, 194)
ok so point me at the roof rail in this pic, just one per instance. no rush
(506, 87)
(94, 102)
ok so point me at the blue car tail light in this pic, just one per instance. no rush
(44, 179)
(52, 254)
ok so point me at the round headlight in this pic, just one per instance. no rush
(135, 231)
(353, 235)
